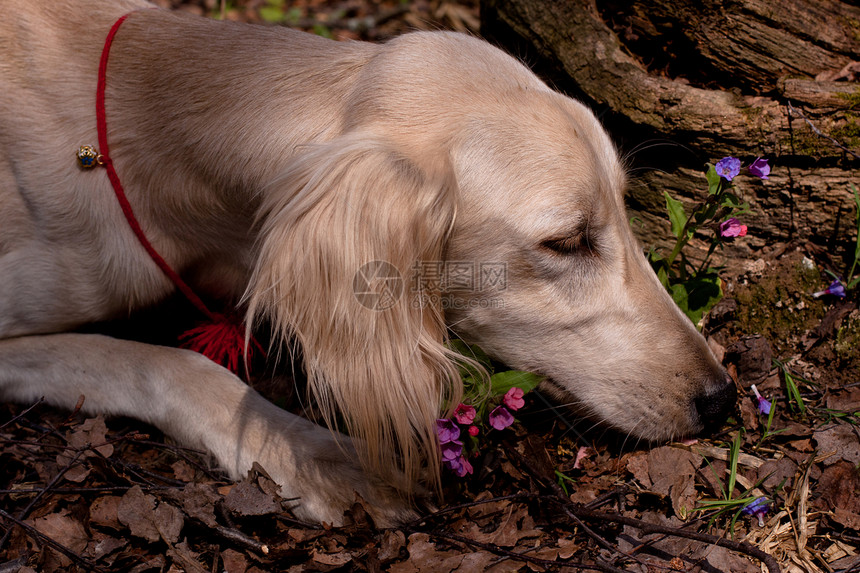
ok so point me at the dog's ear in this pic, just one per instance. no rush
(345, 232)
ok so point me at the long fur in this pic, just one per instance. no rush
(386, 372)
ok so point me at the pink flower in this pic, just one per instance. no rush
(760, 168)
(464, 414)
(514, 399)
(474, 431)
(581, 454)
(501, 418)
(732, 228)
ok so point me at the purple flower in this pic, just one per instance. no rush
(757, 507)
(464, 414)
(760, 168)
(463, 467)
(728, 167)
(447, 430)
(514, 398)
(451, 451)
(836, 288)
(732, 228)
(763, 404)
(501, 418)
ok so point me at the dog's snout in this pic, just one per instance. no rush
(714, 405)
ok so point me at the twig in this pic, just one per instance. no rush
(85, 490)
(240, 538)
(444, 510)
(29, 507)
(39, 536)
(648, 528)
(818, 132)
(597, 566)
(22, 414)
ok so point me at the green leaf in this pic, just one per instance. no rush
(676, 214)
(501, 382)
(472, 351)
(715, 182)
(733, 202)
(696, 296)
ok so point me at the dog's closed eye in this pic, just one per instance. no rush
(578, 243)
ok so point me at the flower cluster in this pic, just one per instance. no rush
(452, 448)
(728, 168)
(449, 430)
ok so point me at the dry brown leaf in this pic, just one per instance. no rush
(671, 472)
(92, 432)
(637, 464)
(514, 525)
(63, 529)
(839, 438)
(148, 519)
(101, 545)
(424, 557)
(233, 561)
(338, 559)
(774, 471)
(838, 486)
(183, 471)
(248, 499)
(845, 400)
(185, 558)
(847, 518)
(722, 559)
(103, 512)
(393, 541)
(198, 502)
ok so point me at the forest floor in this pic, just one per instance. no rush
(551, 493)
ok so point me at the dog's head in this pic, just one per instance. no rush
(562, 288)
(465, 194)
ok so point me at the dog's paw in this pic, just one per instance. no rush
(334, 483)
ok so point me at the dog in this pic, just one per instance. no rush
(365, 200)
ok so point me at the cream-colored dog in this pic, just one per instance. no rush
(362, 199)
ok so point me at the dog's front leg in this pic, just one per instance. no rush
(200, 404)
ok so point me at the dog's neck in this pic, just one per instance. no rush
(202, 115)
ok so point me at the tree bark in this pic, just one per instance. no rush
(679, 83)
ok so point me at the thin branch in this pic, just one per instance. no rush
(492, 548)
(29, 507)
(818, 132)
(50, 542)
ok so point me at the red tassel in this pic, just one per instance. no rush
(222, 341)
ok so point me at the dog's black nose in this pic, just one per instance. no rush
(714, 406)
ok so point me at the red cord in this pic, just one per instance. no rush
(101, 126)
(221, 341)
